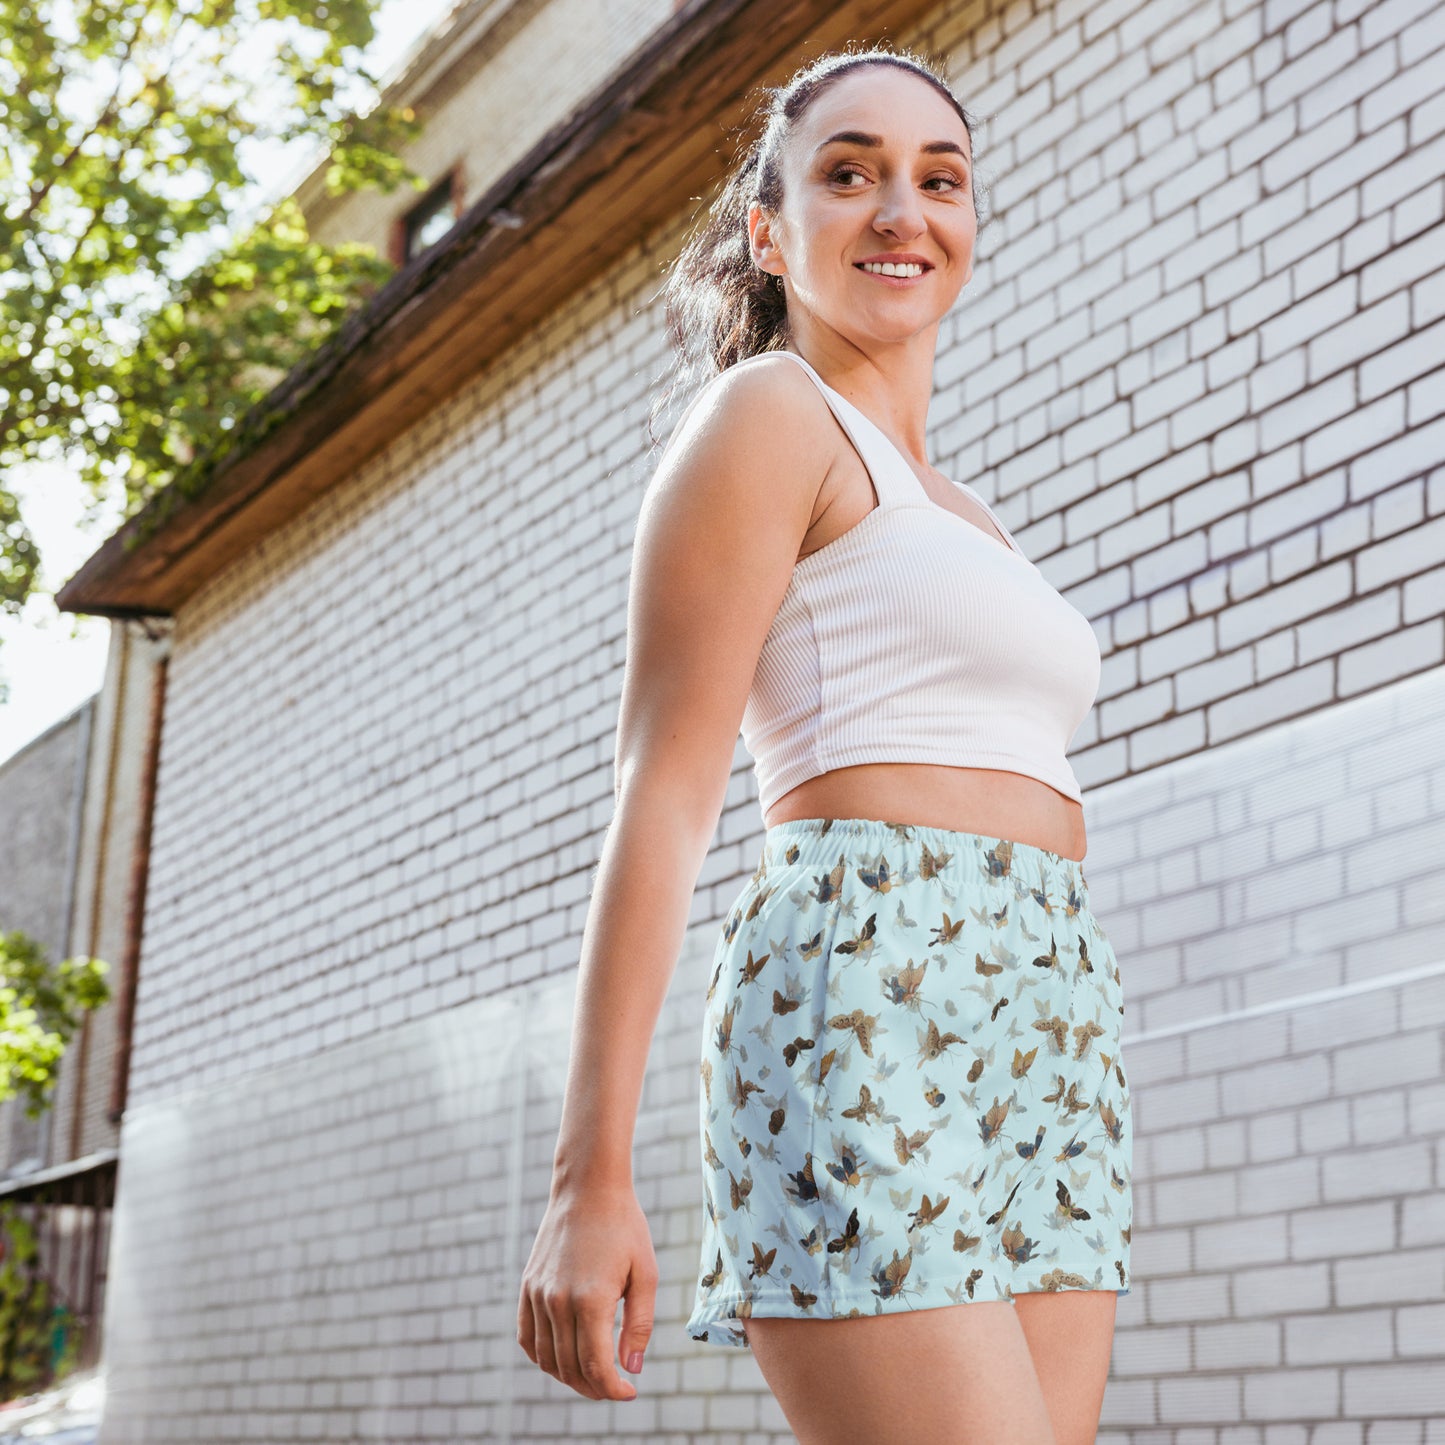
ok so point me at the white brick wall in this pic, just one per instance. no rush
(1200, 336)
(331, 1248)
(1195, 373)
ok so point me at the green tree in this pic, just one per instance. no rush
(41, 1005)
(143, 308)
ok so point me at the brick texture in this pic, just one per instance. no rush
(1198, 372)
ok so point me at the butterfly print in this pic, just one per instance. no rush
(881, 1132)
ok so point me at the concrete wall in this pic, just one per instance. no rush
(69, 820)
(39, 785)
(1194, 372)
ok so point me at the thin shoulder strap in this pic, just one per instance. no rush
(997, 520)
(881, 456)
(895, 481)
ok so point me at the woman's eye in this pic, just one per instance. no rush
(837, 174)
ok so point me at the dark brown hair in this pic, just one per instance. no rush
(719, 307)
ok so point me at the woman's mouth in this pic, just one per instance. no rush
(894, 273)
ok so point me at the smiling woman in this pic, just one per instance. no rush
(885, 1172)
(822, 195)
(722, 302)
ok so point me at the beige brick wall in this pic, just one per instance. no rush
(554, 54)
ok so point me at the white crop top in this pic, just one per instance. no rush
(915, 637)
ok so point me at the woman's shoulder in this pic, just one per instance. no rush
(757, 431)
(769, 390)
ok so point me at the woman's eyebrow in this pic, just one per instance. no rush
(863, 138)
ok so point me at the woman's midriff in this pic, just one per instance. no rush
(990, 801)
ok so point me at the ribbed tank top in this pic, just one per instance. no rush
(915, 637)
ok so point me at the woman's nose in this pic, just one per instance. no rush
(899, 211)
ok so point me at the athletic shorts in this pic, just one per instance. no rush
(912, 1088)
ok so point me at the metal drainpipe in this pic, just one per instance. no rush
(97, 908)
(139, 877)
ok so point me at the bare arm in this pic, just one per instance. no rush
(719, 532)
(717, 537)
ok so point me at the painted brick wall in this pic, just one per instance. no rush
(1200, 370)
(332, 1248)
(1184, 376)
(1279, 903)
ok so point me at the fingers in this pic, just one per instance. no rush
(534, 1333)
(584, 1342)
(571, 1340)
(639, 1310)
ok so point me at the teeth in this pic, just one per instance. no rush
(890, 268)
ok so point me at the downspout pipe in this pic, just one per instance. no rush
(139, 877)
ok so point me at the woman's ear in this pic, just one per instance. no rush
(766, 255)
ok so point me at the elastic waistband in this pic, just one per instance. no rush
(958, 855)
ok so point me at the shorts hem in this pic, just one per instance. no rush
(721, 1328)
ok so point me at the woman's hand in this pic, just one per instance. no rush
(593, 1248)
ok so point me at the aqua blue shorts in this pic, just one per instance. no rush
(912, 1089)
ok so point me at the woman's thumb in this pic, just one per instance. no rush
(638, 1309)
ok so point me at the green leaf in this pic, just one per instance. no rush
(143, 318)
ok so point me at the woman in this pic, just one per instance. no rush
(912, 1094)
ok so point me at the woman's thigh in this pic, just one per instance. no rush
(1071, 1336)
(952, 1375)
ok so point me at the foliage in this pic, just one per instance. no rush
(19, 558)
(30, 1314)
(40, 1008)
(143, 313)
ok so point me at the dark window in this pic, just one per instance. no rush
(429, 220)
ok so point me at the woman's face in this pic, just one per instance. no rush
(898, 183)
